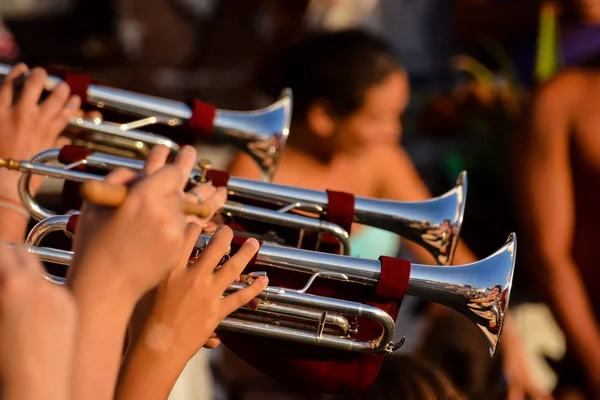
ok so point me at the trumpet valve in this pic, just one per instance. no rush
(205, 166)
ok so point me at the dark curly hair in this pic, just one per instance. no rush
(338, 67)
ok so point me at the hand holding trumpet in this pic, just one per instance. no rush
(141, 245)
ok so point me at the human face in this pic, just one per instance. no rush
(377, 121)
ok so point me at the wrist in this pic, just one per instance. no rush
(25, 383)
(9, 183)
(83, 277)
(14, 220)
(159, 340)
(147, 371)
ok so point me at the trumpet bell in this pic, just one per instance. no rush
(434, 224)
(262, 134)
(480, 291)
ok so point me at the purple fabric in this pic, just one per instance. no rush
(578, 44)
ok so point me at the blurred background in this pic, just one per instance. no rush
(472, 65)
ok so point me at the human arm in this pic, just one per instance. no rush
(37, 330)
(128, 250)
(27, 128)
(547, 209)
(186, 309)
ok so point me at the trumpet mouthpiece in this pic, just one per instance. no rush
(9, 164)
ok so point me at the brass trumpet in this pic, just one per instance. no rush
(260, 133)
(480, 291)
(434, 224)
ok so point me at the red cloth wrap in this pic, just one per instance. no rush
(340, 209)
(317, 369)
(70, 154)
(72, 223)
(70, 198)
(218, 178)
(78, 82)
(203, 116)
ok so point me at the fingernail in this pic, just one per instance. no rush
(254, 243)
(262, 280)
(74, 102)
(23, 66)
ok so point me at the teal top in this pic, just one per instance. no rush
(371, 243)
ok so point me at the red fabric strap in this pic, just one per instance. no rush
(70, 198)
(70, 154)
(203, 116)
(340, 209)
(393, 278)
(218, 178)
(79, 83)
(72, 223)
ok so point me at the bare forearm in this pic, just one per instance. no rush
(103, 317)
(13, 225)
(573, 311)
(13, 217)
(148, 374)
(37, 384)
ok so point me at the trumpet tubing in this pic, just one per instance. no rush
(262, 134)
(480, 291)
(287, 303)
(434, 224)
(38, 167)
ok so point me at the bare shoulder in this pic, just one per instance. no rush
(562, 91)
(552, 108)
(397, 177)
(386, 156)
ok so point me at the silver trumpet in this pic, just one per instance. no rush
(480, 291)
(37, 166)
(434, 224)
(260, 133)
